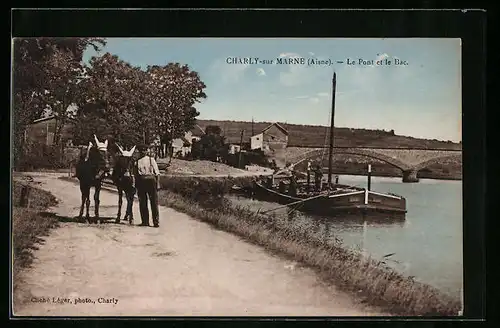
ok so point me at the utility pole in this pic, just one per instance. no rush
(241, 145)
(332, 125)
(253, 133)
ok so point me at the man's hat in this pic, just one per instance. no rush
(142, 147)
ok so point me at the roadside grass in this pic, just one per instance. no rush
(28, 227)
(372, 280)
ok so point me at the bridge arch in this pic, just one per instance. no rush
(359, 152)
(435, 160)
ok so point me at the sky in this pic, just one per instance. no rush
(420, 99)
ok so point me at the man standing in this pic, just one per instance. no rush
(318, 176)
(308, 175)
(147, 179)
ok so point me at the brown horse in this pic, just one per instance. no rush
(90, 171)
(124, 181)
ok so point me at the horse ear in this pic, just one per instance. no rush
(132, 150)
(96, 140)
(106, 143)
(90, 144)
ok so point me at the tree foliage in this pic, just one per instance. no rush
(175, 90)
(211, 145)
(44, 73)
(111, 94)
(131, 105)
(112, 99)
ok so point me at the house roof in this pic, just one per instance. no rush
(185, 140)
(48, 118)
(197, 131)
(285, 131)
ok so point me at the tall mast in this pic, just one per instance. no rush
(332, 125)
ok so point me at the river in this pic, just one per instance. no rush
(427, 245)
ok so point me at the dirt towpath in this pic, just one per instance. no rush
(183, 268)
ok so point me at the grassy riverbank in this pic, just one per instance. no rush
(28, 226)
(370, 279)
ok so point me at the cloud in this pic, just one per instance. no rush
(313, 99)
(229, 73)
(297, 74)
(289, 54)
(311, 53)
(323, 94)
(261, 72)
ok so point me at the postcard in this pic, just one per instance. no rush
(237, 177)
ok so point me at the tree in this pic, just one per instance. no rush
(113, 101)
(65, 73)
(175, 91)
(212, 143)
(32, 80)
(213, 129)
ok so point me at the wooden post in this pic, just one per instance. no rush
(241, 145)
(365, 230)
(308, 176)
(24, 200)
(369, 176)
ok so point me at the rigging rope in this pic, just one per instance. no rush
(305, 156)
(326, 137)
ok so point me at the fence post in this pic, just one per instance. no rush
(24, 200)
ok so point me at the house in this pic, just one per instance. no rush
(257, 141)
(195, 133)
(42, 131)
(234, 149)
(237, 143)
(183, 145)
(275, 137)
(271, 139)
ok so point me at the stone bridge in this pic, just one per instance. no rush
(410, 161)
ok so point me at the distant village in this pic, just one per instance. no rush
(272, 137)
(263, 135)
(270, 140)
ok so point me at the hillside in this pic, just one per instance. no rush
(317, 136)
